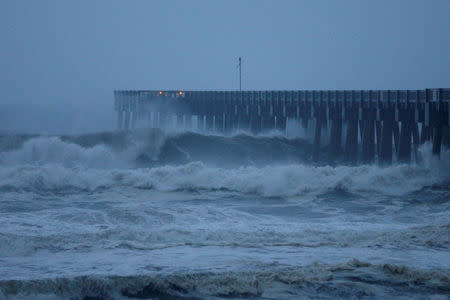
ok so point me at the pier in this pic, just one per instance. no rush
(362, 126)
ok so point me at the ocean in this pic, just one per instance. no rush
(182, 215)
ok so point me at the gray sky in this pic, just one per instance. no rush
(61, 60)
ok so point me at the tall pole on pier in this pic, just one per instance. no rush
(240, 77)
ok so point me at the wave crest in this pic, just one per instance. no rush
(269, 166)
(343, 281)
(270, 181)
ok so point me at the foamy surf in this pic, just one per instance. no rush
(308, 282)
(184, 215)
(270, 181)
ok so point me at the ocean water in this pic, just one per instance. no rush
(155, 215)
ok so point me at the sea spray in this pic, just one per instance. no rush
(183, 215)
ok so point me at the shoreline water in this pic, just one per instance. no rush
(114, 216)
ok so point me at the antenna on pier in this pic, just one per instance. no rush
(240, 77)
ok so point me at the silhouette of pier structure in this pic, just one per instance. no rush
(360, 126)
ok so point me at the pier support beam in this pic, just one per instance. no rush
(162, 120)
(416, 141)
(361, 129)
(368, 142)
(134, 118)
(200, 123)
(119, 119)
(228, 123)
(188, 121)
(255, 123)
(155, 119)
(386, 138)
(438, 117)
(336, 133)
(305, 123)
(378, 137)
(425, 134)
(244, 122)
(396, 133)
(149, 119)
(127, 120)
(437, 140)
(268, 122)
(209, 122)
(404, 150)
(351, 142)
(179, 121)
(218, 122)
(319, 114)
(281, 123)
(446, 136)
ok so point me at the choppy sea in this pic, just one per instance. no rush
(183, 216)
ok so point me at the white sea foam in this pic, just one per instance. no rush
(308, 282)
(62, 166)
(93, 223)
(47, 150)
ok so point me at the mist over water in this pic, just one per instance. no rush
(89, 213)
(185, 215)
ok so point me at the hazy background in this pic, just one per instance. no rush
(61, 60)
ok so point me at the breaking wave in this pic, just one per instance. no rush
(353, 279)
(271, 181)
(266, 166)
(148, 148)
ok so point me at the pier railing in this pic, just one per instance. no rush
(360, 125)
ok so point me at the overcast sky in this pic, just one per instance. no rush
(61, 60)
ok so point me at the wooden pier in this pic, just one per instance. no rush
(361, 126)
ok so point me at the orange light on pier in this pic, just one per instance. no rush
(181, 93)
(160, 92)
